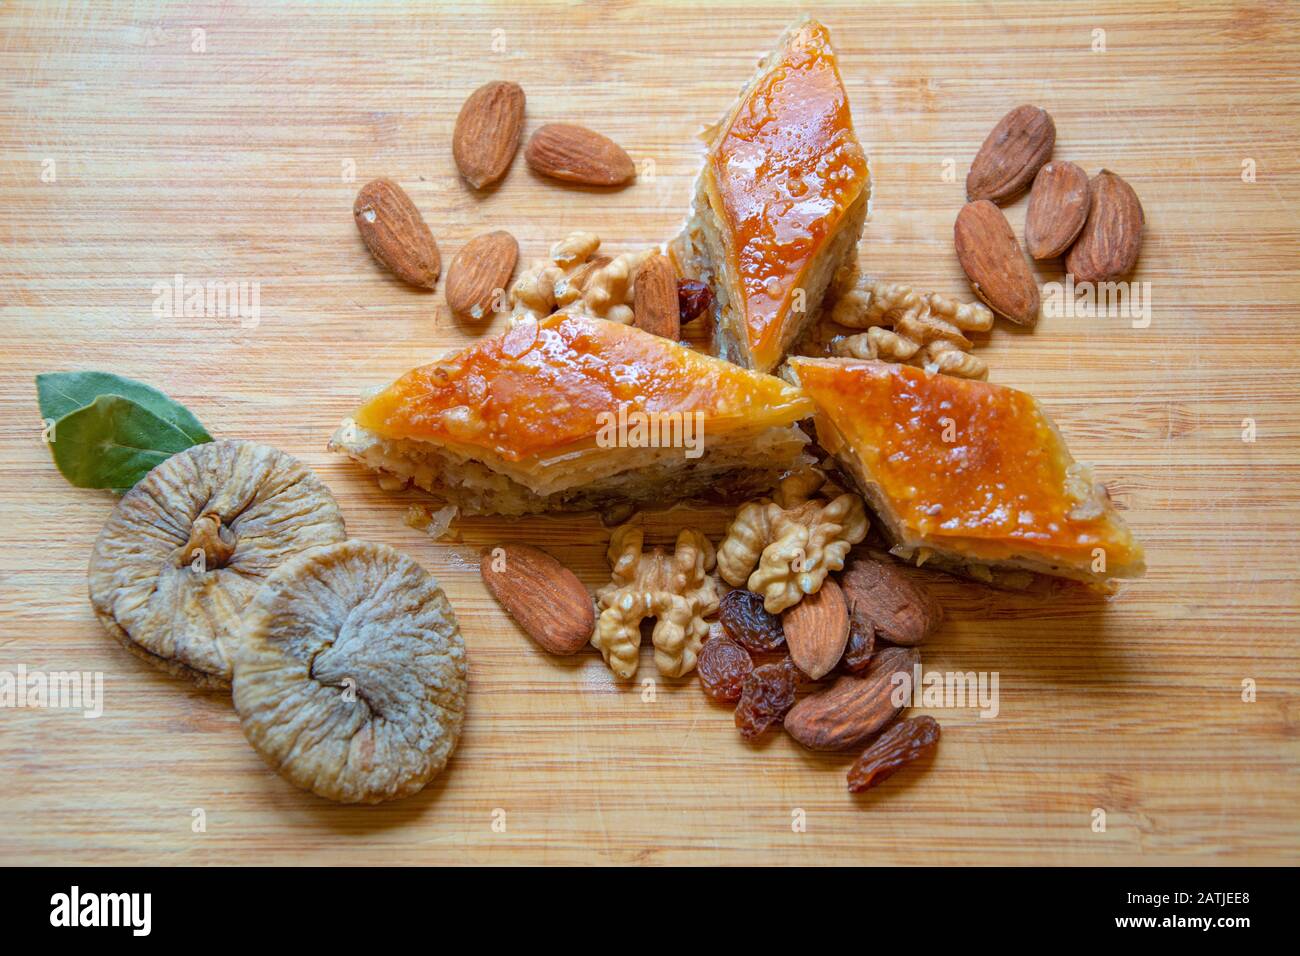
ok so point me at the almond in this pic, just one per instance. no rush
(1058, 206)
(992, 260)
(542, 595)
(578, 155)
(480, 273)
(816, 630)
(654, 298)
(487, 132)
(395, 233)
(853, 708)
(1108, 246)
(1011, 155)
(884, 600)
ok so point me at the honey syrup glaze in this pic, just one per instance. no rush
(785, 171)
(963, 459)
(543, 386)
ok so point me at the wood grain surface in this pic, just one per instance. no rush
(133, 149)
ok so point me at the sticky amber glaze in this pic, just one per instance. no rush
(543, 387)
(784, 172)
(1000, 482)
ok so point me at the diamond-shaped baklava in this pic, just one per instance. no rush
(780, 202)
(574, 414)
(967, 475)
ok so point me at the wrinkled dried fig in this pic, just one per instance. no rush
(187, 548)
(350, 677)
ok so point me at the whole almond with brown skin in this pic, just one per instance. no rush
(578, 155)
(487, 132)
(1011, 155)
(542, 595)
(395, 233)
(852, 709)
(480, 274)
(1058, 207)
(816, 630)
(992, 260)
(885, 599)
(1108, 246)
(654, 298)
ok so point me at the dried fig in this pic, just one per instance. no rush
(350, 676)
(186, 549)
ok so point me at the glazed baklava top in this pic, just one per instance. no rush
(973, 466)
(782, 173)
(543, 388)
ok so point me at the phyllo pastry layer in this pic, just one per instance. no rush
(576, 413)
(780, 202)
(970, 475)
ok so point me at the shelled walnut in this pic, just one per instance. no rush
(794, 538)
(576, 279)
(676, 588)
(905, 326)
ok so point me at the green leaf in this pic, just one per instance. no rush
(114, 442)
(60, 393)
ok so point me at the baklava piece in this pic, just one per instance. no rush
(780, 202)
(966, 475)
(575, 413)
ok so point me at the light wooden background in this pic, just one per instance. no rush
(232, 163)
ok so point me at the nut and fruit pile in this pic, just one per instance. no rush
(1095, 225)
(484, 143)
(805, 608)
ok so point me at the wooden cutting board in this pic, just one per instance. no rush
(227, 141)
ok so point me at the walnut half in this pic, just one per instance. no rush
(795, 540)
(577, 279)
(676, 588)
(905, 326)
